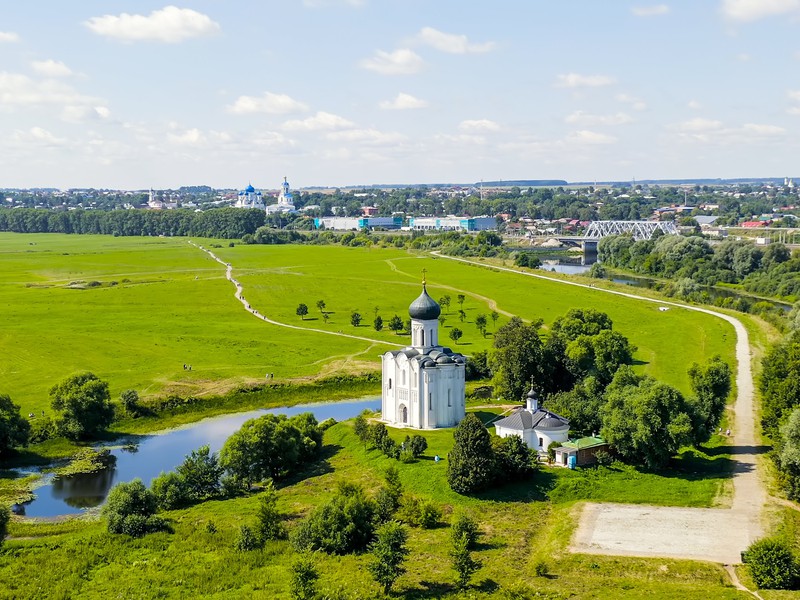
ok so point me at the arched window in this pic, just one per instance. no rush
(541, 443)
(403, 372)
(390, 383)
(448, 398)
(422, 331)
(430, 401)
(431, 336)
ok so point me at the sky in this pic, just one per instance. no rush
(138, 94)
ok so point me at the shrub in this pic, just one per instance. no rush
(540, 568)
(343, 524)
(14, 429)
(84, 406)
(303, 578)
(603, 458)
(463, 563)
(43, 429)
(247, 540)
(130, 508)
(407, 456)
(465, 526)
(130, 402)
(169, 490)
(270, 519)
(429, 515)
(388, 553)
(5, 517)
(385, 505)
(772, 564)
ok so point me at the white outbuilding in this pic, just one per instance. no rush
(423, 385)
(537, 426)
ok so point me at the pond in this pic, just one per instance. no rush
(147, 456)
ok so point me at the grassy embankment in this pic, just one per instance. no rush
(522, 524)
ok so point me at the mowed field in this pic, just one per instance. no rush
(161, 303)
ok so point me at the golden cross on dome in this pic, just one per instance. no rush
(423, 275)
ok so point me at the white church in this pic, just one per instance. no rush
(423, 385)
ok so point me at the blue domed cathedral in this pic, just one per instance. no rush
(423, 385)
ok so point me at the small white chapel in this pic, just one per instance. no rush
(423, 385)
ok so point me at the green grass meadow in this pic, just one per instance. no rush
(161, 303)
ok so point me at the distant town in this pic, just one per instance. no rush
(522, 208)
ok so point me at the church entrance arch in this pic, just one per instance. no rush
(402, 415)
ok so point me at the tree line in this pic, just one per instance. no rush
(226, 223)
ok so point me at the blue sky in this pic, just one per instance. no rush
(345, 92)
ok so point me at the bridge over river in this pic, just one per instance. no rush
(597, 230)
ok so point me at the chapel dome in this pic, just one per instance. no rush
(424, 307)
(250, 189)
(551, 422)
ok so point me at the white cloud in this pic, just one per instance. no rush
(367, 136)
(573, 80)
(18, 90)
(478, 126)
(793, 110)
(274, 104)
(51, 68)
(400, 62)
(650, 11)
(585, 136)
(451, 43)
(759, 130)
(694, 105)
(79, 114)
(794, 95)
(38, 136)
(699, 124)
(403, 102)
(744, 57)
(189, 137)
(752, 10)
(8, 37)
(581, 117)
(322, 121)
(636, 103)
(170, 24)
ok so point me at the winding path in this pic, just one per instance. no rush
(238, 295)
(713, 534)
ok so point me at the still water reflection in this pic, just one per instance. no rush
(150, 455)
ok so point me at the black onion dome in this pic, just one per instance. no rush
(424, 308)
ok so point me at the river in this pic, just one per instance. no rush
(146, 456)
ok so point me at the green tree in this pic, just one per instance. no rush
(14, 429)
(646, 421)
(170, 490)
(303, 578)
(129, 399)
(130, 508)
(442, 320)
(470, 464)
(462, 316)
(514, 460)
(611, 350)
(378, 323)
(462, 561)
(455, 334)
(516, 358)
(301, 311)
(772, 564)
(480, 323)
(361, 429)
(396, 324)
(388, 553)
(445, 302)
(270, 446)
(581, 321)
(494, 316)
(84, 406)
(321, 306)
(200, 472)
(355, 319)
(270, 518)
(461, 298)
(711, 385)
